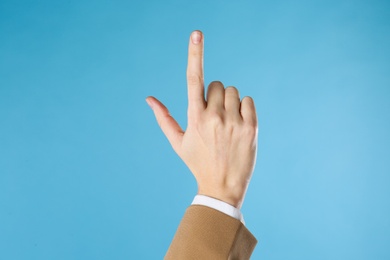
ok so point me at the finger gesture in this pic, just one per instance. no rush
(220, 143)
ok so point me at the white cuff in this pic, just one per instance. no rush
(218, 205)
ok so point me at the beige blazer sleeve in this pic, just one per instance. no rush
(205, 233)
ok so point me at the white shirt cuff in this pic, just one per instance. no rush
(218, 205)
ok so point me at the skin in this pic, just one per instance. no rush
(220, 143)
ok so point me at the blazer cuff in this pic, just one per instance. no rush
(206, 233)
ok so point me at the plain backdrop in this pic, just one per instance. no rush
(86, 173)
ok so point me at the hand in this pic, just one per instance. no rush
(220, 142)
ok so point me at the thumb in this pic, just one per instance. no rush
(167, 123)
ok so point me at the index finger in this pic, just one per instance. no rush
(195, 81)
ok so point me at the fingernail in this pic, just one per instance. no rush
(196, 37)
(149, 103)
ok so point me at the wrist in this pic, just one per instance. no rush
(231, 197)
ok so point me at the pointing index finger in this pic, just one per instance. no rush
(195, 81)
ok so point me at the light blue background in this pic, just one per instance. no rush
(85, 172)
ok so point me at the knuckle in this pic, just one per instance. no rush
(231, 90)
(249, 130)
(216, 83)
(195, 53)
(231, 128)
(248, 99)
(194, 79)
(215, 118)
